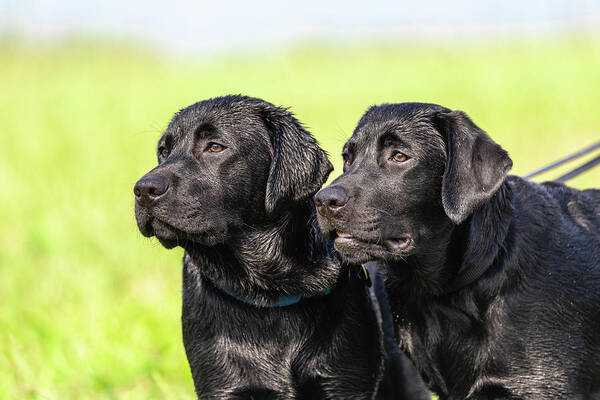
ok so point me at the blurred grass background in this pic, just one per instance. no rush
(89, 309)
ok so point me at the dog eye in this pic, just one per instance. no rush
(346, 161)
(399, 157)
(215, 148)
(164, 153)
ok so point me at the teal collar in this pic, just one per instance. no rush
(283, 300)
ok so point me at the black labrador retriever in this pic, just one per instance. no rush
(269, 311)
(494, 281)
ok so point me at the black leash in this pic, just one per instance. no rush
(579, 170)
(573, 173)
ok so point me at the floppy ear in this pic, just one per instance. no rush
(299, 167)
(475, 167)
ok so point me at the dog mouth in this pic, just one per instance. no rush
(166, 234)
(343, 239)
(170, 236)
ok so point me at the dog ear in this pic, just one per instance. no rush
(475, 166)
(299, 167)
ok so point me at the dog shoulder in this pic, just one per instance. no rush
(558, 228)
(581, 206)
(553, 200)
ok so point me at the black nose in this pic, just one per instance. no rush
(331, 199)
(149, 189)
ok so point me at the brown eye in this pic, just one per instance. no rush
(164, 153)
(399, 157)
(215, 148)
(346, 160)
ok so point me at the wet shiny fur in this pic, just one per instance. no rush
(233, 188)
(494, 281)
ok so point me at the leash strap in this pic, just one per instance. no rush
(564, 160)
(579, 170)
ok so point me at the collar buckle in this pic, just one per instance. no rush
(364, 275)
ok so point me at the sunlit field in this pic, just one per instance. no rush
(89, 309)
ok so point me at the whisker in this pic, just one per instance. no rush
(381, 211)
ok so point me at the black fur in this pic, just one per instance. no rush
(494, 281)
(233, 187)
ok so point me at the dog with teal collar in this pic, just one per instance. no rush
(269, 311)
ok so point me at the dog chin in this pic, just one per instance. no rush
(356, 251)
(190, 245)
(167, 243)
(356, 258)
(171, 237)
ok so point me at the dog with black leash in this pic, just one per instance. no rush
(494, 281)
(269, 311)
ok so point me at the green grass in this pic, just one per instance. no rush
(89, 309)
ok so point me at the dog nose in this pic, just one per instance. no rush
(331, 199)
(149, 189)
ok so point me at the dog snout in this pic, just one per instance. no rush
(149, 189)
(330, 200)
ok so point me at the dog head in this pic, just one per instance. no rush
(225, 165)
(411, 171)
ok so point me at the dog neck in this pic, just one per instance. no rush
(486, 235)
(459, 255)
(426, 312)
(279, 263)
(283, 300)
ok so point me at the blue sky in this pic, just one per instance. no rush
(224, 24)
